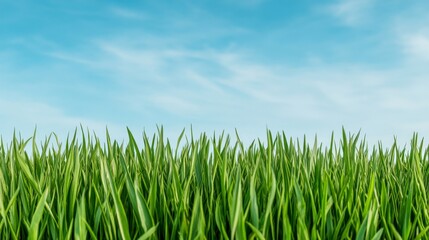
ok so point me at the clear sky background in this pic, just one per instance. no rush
(305, 67)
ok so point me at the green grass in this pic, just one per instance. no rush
(212, 188)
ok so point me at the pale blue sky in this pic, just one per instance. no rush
(305, 67)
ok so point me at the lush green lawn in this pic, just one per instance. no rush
(212, 188)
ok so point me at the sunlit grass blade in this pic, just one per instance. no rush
(198, 224)
(119, 208)
(33, 231)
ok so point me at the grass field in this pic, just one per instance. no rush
(213, 188)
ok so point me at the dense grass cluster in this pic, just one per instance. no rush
(212, 188)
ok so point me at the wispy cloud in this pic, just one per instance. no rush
(127, 13)
(417, 46)
(351, 12)
(246, 3)
(225, 85)
(410, 34)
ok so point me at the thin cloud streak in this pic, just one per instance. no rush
(351, 12)
(127, 13)
(256, 83)
(417, 46)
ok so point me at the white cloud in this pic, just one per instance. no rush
(409, 32)
(351, 12)
(246, 3)
(127, 13)
(417, 46)
(72, 58)
(189, 82)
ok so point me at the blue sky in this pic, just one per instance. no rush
(305, 67)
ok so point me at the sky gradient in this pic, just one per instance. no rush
(305, 67)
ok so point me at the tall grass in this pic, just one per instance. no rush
(212, 188)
